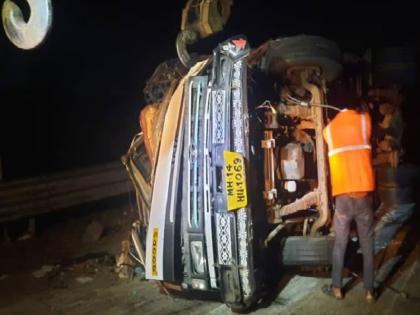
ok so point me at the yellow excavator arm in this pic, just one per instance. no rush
(200, 19)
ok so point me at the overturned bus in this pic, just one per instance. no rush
(231, 167)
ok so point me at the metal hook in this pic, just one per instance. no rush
(27, 35)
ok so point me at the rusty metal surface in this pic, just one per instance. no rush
(278, 212)
(317, 113)
(268, 145)
(312, 117)
(296, 111)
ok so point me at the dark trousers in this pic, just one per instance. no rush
(348, 209)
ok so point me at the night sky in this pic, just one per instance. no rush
(75, 100)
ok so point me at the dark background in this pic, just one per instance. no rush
(75, 100)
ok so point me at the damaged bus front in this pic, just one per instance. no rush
(233, 166)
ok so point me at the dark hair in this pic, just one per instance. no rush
(345, 98)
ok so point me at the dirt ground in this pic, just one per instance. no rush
(69, 268)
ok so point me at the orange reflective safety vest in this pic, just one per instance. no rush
(349, 152)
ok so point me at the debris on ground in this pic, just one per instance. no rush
(61, 280)
(93, 232)
(125, 265)
(24, 237)
(125, 272)
(90, 266)
(139, 273)
(91, 263)
(84, 280)
(43, 271)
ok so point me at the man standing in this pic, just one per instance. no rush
(352, 181)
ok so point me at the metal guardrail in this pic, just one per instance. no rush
(35, 196)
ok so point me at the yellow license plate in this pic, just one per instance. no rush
(234, 172)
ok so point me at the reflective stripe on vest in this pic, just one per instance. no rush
(347, 148)
(363, 122)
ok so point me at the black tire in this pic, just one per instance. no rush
(307, 50)
(241, 308)
(307, 251)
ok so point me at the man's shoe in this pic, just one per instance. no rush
(332, 292)
(370, 296)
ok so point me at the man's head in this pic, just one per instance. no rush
(345, 98)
